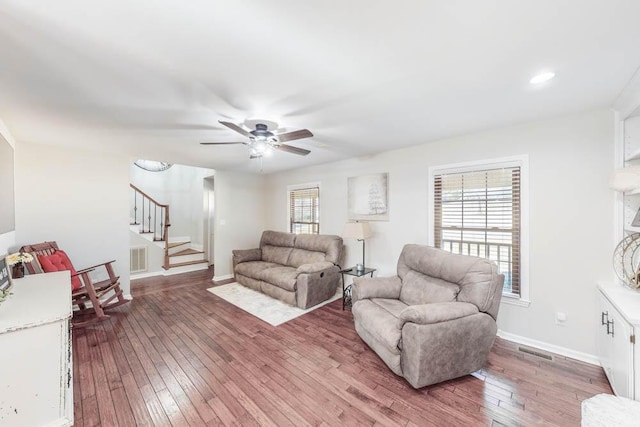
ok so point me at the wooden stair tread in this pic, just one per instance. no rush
(180, 264)
(174, 244)
(187, 252)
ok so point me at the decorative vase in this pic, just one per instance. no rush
(17, 271)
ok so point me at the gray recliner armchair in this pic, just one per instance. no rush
(435, 320)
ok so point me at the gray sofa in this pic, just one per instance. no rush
(435, 320)
(299, 269)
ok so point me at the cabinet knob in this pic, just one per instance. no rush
(603, 315)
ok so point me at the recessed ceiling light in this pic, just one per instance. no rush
(541, 78)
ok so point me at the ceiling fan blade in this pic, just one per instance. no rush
(236, 128)
(296, 134)
(291, 149)
(221, 143)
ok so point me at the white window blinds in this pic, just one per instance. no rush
(304, 211)
(478, 213)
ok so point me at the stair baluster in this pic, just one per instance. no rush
(159, 229)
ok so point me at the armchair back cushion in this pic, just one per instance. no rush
(432, 275)
(59, 261)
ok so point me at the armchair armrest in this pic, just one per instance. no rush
(244, 255)
(93, 267)
(315, 267)
(425, 314)
(375, 287)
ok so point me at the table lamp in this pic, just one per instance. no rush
(359, 231)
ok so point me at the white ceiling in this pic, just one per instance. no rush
(153, 77)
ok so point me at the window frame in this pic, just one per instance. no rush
(303, 186)
(521, 161)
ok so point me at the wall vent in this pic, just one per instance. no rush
(138, 256)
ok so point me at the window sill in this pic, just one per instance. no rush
(514, 300)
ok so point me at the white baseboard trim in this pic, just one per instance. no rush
(128, 296)
(170, 272)
(563, 351)
(219, 278)
(197, 247)
(145, 275)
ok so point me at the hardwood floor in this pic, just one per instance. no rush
(179, 355)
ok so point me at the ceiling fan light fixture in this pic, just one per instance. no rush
(263, 141)
(152, 165)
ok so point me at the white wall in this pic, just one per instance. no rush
(181, 187)
(240, 220)
(571, 214)
(7, 240)
(79, 199)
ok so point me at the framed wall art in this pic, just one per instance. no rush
(4, 275)
(368, 197)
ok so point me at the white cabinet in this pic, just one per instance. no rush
(618, 322)
(36, 387)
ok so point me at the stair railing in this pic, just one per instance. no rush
(153, 217)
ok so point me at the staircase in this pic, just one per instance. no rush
(183, 257)
(151, 220)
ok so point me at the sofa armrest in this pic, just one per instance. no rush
(425, 314)
(375, 287)
(315, 267)
(244, 255)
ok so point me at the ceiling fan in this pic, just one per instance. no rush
(262, 140)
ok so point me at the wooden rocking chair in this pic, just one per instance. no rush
(48, 257)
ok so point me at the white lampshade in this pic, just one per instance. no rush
(357, 230)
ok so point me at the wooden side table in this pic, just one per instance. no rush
(346, 291)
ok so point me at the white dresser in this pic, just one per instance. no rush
(618, 324)
(36, 387)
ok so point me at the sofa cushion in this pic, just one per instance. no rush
(418, 288)
(252, 268)
(280, 276)
(288, 297)
(276, 254)
(300, 257)
(277, 238)
(393, 306)
(380, 324)
(329, 246)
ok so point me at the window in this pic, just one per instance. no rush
(478, 212)
(304, 210)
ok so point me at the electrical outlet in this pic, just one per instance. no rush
(561, 318)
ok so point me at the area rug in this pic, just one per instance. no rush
(263, 307)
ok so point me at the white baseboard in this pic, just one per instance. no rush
(145, 275)
(219, 278)
(171, 271)
(563, 351)
(197, 247)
